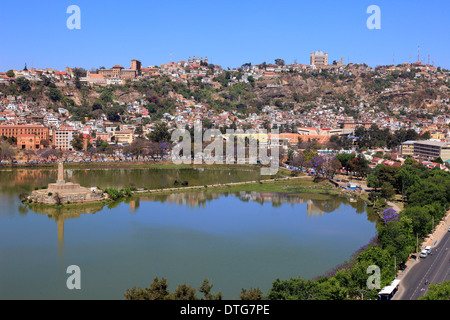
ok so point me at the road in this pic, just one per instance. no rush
(435, 268)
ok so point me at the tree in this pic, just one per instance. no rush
(47, 154)
(438, 160)
(407, 177)
(360, 166)
(24, 84)
(55, 95)
(10, 74)
(185, 292)
(345, 159)
(331, 166)
(28, 154)
(387, 191)
(317, 163)
(438, 291)
(396, 237)
(421, 219)
(252, 294)
(293, 289)
(139, 131)
(205, 288)
(6, 151)
(279, 62)
(110, 150)
(298, 161)
(136, 148)
(78, 142)
(115, 112)
(78, 72)
(373, 181)
(160, 133)
(426, 135)
(45, 143)
(158, 290)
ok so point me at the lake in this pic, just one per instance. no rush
(236, 240)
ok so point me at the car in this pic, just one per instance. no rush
(448, 229)
(423, 254)
(428, 249)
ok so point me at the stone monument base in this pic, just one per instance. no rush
(63, 192)
(67, 193)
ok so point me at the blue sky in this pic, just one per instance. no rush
(229, 33)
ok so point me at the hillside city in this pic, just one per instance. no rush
(348, 138)
(330, 107)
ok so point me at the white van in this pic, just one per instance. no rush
(423, 254)
(428, 249)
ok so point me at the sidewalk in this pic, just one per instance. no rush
(439, 232)
(431, 240)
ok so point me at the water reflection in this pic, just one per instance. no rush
(241, 239)
(316, 205)
(26, 180)
(18, 181)
(60, 215)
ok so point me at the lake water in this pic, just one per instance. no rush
(236, 240)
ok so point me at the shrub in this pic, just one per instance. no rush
(113, 193)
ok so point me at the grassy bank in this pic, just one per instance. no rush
(301, 184)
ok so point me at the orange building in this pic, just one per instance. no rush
(29, 142)
(119, 72)
(17, 130)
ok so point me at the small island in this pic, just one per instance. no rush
(63, 192)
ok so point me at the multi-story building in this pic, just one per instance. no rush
(16, 130)
(319, 58)
(62, 139)
(94, 78)
(122, 73)
(430, 150)
(123, 137)
(136, 65)
(29, 142)
(408, 148)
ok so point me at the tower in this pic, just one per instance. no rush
(319, 58)
(60, 179)
(136, 66)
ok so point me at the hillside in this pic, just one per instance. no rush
(288, 90)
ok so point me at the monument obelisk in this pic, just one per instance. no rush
(60, 179)
(66, 192)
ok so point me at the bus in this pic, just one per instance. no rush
(388, 292)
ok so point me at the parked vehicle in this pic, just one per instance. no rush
(428, 249)
(423, 253)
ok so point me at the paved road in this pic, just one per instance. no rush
(435, 268)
